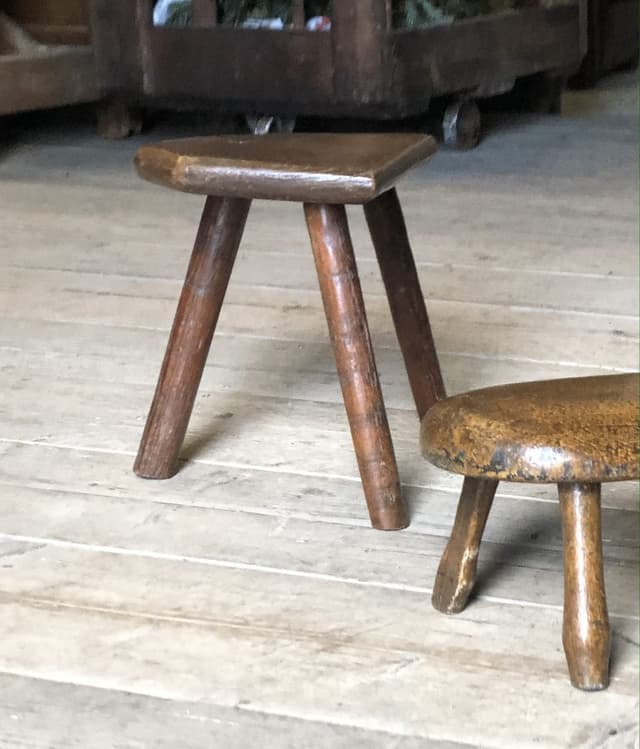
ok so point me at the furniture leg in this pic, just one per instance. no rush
(349, 331)
(585, 630)
(117, 119)
(456, 574)
(391, 243)
(215, 249)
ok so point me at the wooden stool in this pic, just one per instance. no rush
(575, 433)
(324, 172)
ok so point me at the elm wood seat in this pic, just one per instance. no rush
(576, 433)
(324, 172)
(304, 167)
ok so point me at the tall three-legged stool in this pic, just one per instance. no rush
(324, 172)
(576, 433)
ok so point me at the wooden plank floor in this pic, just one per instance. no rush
(246, 602)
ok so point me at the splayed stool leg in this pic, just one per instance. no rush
(585, 630)
(215, 249)
(349, 332)
(456, 574)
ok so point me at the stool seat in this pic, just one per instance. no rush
(576, 429)
(304, 167)
(323, 172)
(575, 432)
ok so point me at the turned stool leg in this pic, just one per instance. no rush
(389, 235)
(346, 317)
(204, 287)
(585, 631)
(456, 574)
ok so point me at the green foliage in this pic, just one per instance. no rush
(406, 13)
(235, 12)
(272, 9)
(417, 13)
(180, 14)
(411, 13)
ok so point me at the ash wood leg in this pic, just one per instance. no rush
(202, 295)
(456, 574)
(585, 631)
(389, 235)
(349, 331)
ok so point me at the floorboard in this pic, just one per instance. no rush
(40, 714)
(246, 602)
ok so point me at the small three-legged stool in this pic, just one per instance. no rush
(576, 433)
(324, 172)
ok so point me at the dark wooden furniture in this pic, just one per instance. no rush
(612, 28)
(52, 21)
(324, 172)
(362, 67)
(45, 56)
(576, 433)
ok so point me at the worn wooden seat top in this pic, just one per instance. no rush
(577, 430)
(312, 168)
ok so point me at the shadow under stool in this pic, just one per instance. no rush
(324, 172)
(576, 433)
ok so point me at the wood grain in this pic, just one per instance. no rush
(361, 69)
(536, 291)
(37, 712)
(484, 332)
(585, 630)
(88, 478)
(346, 637)
(305, 167)
(254, 570)
(54, 77)
(119, 32)
(542, 432)
(349, 332)
(456, 574)
(225, 421)
(193, 328)
(389, 235)
(52, 21)
(571, 430)
(298, 167)
(49, 12)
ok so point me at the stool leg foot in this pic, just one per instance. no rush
(202, 295)
(585, 630)
(117, 119)
(389, 235)
(456, 574)
(349, 331)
